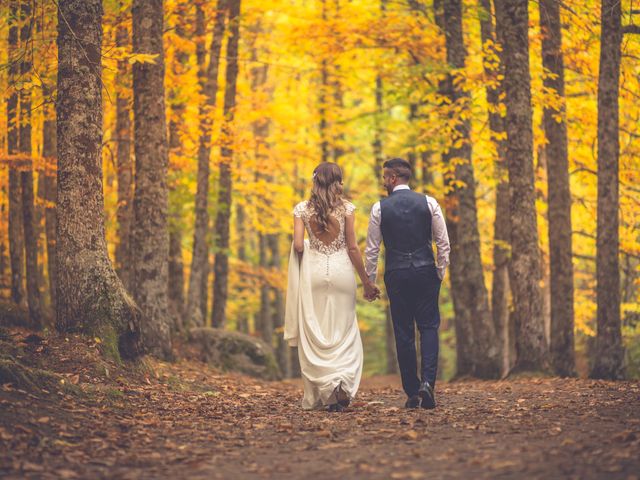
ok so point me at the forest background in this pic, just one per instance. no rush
(353, 82)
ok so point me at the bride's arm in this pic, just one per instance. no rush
(298, 235)
(356, 257)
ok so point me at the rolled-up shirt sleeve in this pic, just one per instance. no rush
(440, 236)
(374, 238)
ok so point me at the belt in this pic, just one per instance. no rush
(408, 255)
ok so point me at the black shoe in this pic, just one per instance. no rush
(427, 396)
(336, 407)
(412, 402)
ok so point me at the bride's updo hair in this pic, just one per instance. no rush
(326, 192)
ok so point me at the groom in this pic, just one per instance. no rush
(408, 222)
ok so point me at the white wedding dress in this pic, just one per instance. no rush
(320, 314)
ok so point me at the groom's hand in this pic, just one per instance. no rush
(371, 291)
(376, 294)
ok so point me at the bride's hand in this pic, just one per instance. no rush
(371, 291)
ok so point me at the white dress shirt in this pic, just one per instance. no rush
(438, 231)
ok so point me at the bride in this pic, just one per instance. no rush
(321, 295)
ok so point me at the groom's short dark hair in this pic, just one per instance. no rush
(400, 167)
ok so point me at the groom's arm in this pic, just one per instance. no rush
(440, 236)
(374, 238)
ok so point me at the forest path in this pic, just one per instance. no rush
(185, 420)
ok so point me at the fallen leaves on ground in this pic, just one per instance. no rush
(186, 420)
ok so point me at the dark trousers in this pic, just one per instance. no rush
(413, 297)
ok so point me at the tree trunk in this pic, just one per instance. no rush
(149, 232)
(50, 154)
(609, 355)
(463, 330)
(264, 327)
(322, 101)
(337, 140)
(412, 156)
(416, 112)
(208, 78)
(90, 296)
(242, 322)
(124, 163)
(176, 278)
(277, 309)
(4, 199)
(378, 155)
(26, 175)
(322, 110)
(512, 19)
(426, 172)
(500, 287)
(204, 293)
(176, 149)
(494, 89)
(560, 252)
(16, 230)
(267, 318)
(221, 263)
(16, 237)
(471, 300)
(38, 223)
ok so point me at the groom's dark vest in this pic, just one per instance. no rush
(406, 230)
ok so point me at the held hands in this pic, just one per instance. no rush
(371, 291)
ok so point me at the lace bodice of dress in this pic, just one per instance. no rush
(306, 212)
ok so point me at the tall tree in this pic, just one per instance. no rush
(463, 330)
(177, 106)
(378, 156)
(277, 310)
(378, 159)
(16, 231)
(560, 251)
(91, 297)
(242, 320)
(123, 157)
(512, 19)
(176, 276)
(338, 141)
(38, 222)
(470, 297)
(221, 262)
(149, 232)
(494, 89)
(264, 326)
(208, 79)
(4, 199)
(322, 100)
(204, 287)
(609, 354)
(50, 154)
(259, 75)
(26, 175)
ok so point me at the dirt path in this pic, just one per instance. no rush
(187, 421)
